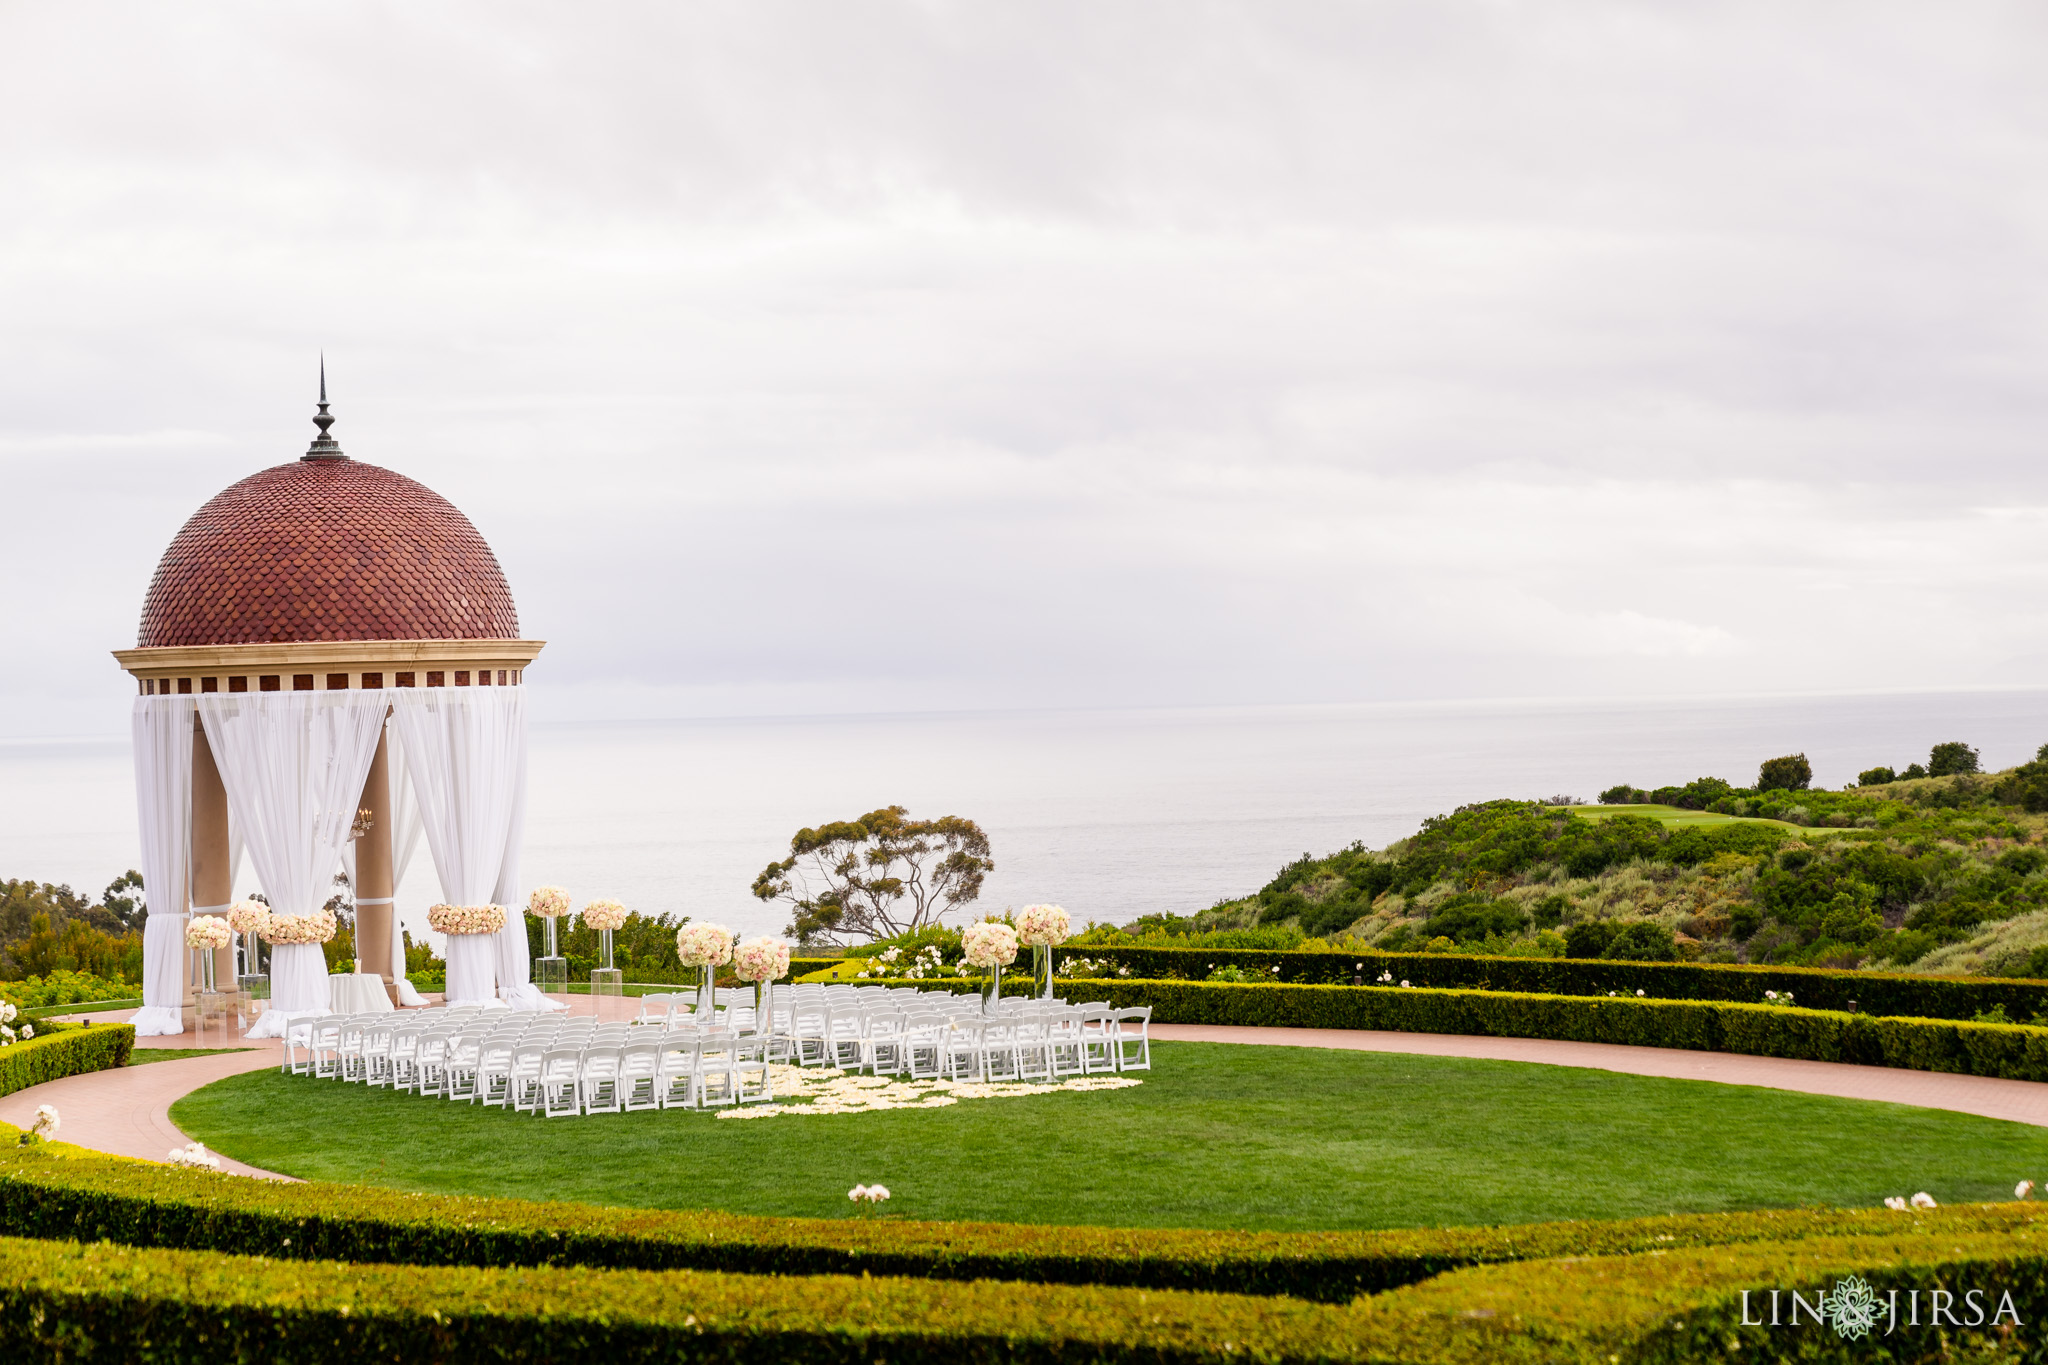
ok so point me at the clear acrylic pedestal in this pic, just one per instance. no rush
(214, 1018)
(551, 975)
(606, 981)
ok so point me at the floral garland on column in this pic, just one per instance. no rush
(466, 919)
(317, 927)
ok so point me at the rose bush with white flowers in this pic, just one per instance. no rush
(602, 915)
(707, 945)
(194, 1156)
(989, 944)
(548, 902)
(466, 919)
(1042, 926)
(758, 959)
(208, 931)
(317, 927)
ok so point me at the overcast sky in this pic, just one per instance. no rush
(861, 357)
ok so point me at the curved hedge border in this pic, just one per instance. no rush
(1924, 997)
(2012, 1051)
(48, 1193)
(60, 1050)
(105, 1302)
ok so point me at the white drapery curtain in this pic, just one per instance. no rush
(294, 764)
(466, 754)
(405, 842)
(162, 731)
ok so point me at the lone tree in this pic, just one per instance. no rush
(879, 876)
(1788, 774)
(1951, 758)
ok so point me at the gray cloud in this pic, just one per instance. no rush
(802, 357)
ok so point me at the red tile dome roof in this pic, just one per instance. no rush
(327, 549)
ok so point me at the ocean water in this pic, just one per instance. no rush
(1112, 814)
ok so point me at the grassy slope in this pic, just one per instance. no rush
(1219, 1136)
(1677, 817)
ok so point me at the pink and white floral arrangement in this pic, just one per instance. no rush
(208, 931)
(1042, 926)
(317, 927)
(466, 919)
(604, 915)
(709, 945)
(548, 902)
(758, 959)
(989, 944)
(248, 917)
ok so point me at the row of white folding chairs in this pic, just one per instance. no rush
(1033, 1041)
(565, 1071)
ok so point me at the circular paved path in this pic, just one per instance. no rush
(127, 1111)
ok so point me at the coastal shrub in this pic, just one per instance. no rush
(1789, 773)
(1876, 777)
(60, 1050)
(1929, 997)
(147, 1204)
(1589, 938)
(1643, 941)
(2007, 1051)
(1946, 760)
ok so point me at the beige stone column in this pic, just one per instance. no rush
(375, 917)
(212, 876)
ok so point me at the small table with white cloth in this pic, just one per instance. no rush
(357, 993)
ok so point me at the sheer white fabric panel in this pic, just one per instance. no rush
(472, 969)
(162, 732)
(515, 964)
(294, 764)
(465, 750)
(298, 987)
(405, 842)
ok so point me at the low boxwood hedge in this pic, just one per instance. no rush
(60, 1050)
(1925, 997)
(147, 1204)
(2011, 1051)
(107, 1302)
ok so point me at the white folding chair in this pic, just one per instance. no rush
(961, 1049)
(1098, 1039)
(675, 1076)
(494, 1072)
(432, 1071)
(639, 1076)
(561, 1077)
(924, 1045)
(523, 1083)
(810, 1030)
(465, 1051)
(999, 1053)
(327, 1047)
(751, 1083)
(405, 1054)
(717, 1067)
(1034, 1046)
(298, 1038)
(883, 1045)
(598, 1079)
(377, 1051)
(1133, 1039)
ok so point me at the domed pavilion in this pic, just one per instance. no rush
(329, 667)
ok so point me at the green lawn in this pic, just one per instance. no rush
(1219, 1136)
(1677, 817)
(173, 1054)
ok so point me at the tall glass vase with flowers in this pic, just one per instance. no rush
(1044, 927)
(551, 969)
(991, 946)
(607, 917)
(707, 947)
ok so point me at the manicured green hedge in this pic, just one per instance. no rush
(2007, 1050)
(110, 1303)
(146, 1204)
(1924, 997)
(60, 1050)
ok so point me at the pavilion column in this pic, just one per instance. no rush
(375, 913)
(212, 874)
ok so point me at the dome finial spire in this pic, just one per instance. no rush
(324, 447)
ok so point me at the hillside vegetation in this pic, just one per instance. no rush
(1934, 873)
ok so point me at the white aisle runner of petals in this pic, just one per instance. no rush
(801, 1090)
